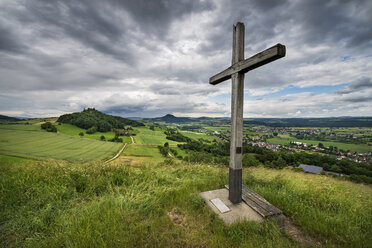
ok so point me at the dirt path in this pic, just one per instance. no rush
(298, 235)
(117, 155)
(131, 137)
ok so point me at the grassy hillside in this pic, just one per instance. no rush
(32, 143)
(146, 136)
(57, 204)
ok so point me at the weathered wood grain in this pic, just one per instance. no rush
(273, 53)
(258, 203)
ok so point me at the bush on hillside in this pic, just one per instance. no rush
(49, 127)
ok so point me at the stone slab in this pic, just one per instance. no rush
(238, 212)
(220, 205)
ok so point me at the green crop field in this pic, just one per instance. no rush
(21, 127)
(222, 128)
(141, 153)
(196, 136)
(146, 136)
(344, 146)
(44, 145)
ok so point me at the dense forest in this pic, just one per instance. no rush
(92, 119)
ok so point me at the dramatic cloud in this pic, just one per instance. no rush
(149, 58)
(363, 83)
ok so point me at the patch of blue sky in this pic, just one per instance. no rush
(345, 58)
(292, 90)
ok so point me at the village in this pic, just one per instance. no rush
(261, 137)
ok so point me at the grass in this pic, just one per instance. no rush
(21, 127)
(336, 212)
(180, 152)
(136, 154)
(58, 204)
(43, 145)
(146, 136)
(196, 136)
(344, 146)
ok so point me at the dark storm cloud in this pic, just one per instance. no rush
(88, 22)
(346, 21)
(361, 83)
(9, 42)
(155, 16)
(137, 47)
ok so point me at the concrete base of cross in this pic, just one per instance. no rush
(218, 201)
(237, 212)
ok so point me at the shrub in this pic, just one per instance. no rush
(48, 127)
(91, 130)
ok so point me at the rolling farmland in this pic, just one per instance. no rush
(146, 136)
(43, 145)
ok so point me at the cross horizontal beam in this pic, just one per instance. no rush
(262, 58)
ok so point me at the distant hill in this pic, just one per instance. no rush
(173, 119)
(90, 117)
(182, 120)
(272, 122)
(4, 118)
(312, 122)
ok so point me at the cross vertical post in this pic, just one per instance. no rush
(237, 100)
(236, 72)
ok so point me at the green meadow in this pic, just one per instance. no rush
(196, 136)
(21, 127)
(61, 204)
(285, 140)
(136, 154)
(145, 136)
(43, 145)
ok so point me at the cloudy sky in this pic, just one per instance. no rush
(147, 58)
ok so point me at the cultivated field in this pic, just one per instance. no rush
(43, 145)
(146, 136)
(196, 136)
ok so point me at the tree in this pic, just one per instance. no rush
(48, 127)
(320, 145)
(163, 150)
(102, 137)
(81, 134)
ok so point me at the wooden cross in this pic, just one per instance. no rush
(236, 71)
